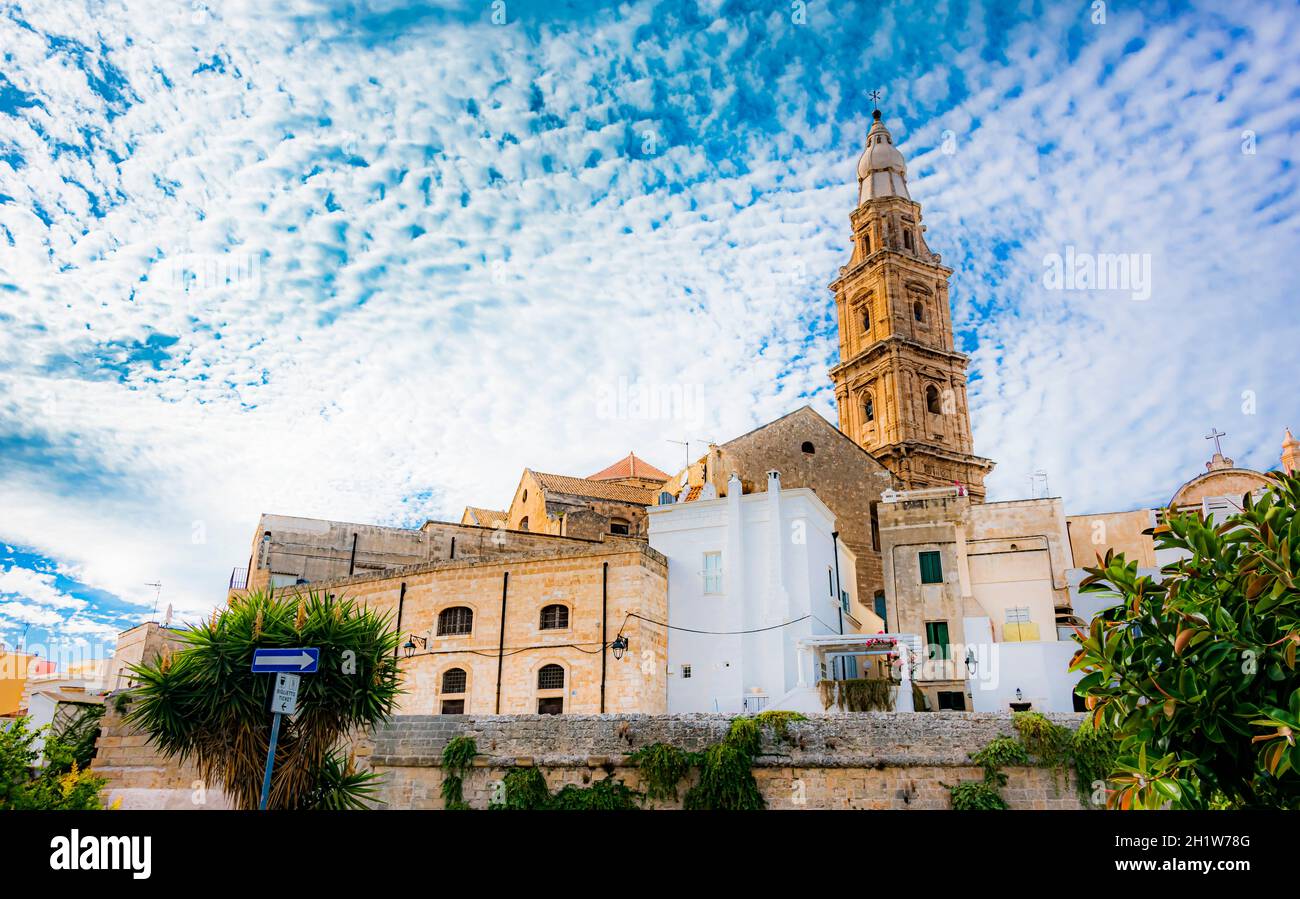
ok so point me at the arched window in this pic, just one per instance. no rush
(932, 399)
(525, 496)
(807, 448)
(550, 677)
(555, 617)
(620, 526)
(456, 620)
(869, 408)
(454, 680)
(523, 523)
(918, 311)
(866, 321)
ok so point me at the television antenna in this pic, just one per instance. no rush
(157, 585)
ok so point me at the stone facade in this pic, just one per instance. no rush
(901, 384)
(858, 761)
(288, 549)
(1003, 563)
(599, 585)
(139, 777)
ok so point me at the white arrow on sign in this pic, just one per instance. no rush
(302, 659)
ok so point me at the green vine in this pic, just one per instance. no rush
(1095, 755)
(457, 756)
(779, 720)
(862, 694)
(662, 767)
(1050, 743)
(1001, 752)
(726, 772)
(525, 789)
(976, 796)
(1040, 741)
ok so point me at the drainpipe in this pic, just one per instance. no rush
(604, 648)
(501, 647)
(352, 562)
(401, 601)
(453, 547)
(839, 591)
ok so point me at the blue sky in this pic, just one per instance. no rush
(368, 260)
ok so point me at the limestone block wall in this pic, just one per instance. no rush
(874, 760)
(139, 777)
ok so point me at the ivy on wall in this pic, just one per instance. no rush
(1046, 744)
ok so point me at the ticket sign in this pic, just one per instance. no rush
(284, 697)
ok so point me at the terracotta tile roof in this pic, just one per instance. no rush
(486, 517)
(629, 467)
(558, 483)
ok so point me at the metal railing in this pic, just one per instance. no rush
(239, 579)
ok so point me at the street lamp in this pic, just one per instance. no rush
(619, 646)
(409, 646)
(972, 663)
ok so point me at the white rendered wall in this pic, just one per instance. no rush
(776, 551)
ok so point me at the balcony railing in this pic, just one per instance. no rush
(239, 579)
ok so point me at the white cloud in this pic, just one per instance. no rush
(402, 337)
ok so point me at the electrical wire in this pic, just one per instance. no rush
(757, 630)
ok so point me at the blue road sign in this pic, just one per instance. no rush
(301, 660)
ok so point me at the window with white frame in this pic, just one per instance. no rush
(713, 572)
(686, 671)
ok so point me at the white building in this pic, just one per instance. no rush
(749, 577)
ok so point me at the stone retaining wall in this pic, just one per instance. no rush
(858, 761)
(872, 760)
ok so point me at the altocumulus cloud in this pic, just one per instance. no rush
(368, 260)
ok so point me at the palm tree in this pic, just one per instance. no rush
(203, 703)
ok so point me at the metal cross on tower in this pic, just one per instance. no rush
(1214, 435)
(874, 96)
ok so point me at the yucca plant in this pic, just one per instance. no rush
(203, 704)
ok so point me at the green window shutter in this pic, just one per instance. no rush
(936, 637)
(931, 568)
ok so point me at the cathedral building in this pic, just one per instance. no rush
(900, 384)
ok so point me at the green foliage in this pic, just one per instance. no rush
(339, 786)
(726, 772)
(606, 795)
(525, 790)
(1196, 675)
(23, 786)
(75, 744)
(1051, 744)
(779, 721)
(1092, 752)
(1095, 753)
(976, 795)
(999, 753)
(862, 694)
(457, 756)
(662, 767)
(203, 704)
(122, 702)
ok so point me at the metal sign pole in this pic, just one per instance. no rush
(270, 761)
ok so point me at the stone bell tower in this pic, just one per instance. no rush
(900, 384)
